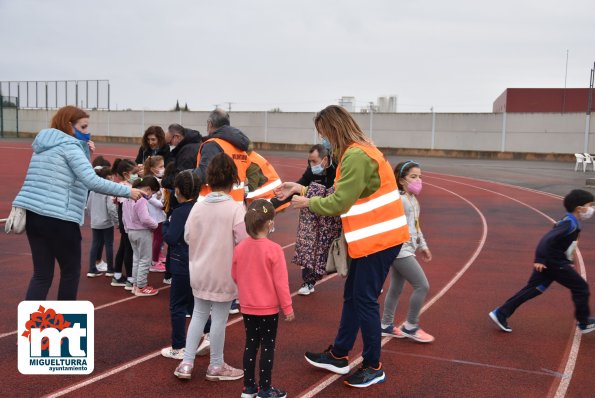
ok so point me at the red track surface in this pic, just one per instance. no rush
(482, 235)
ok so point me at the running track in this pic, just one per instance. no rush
(482, 235)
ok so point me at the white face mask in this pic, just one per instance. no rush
(159, 172)
(587, 213)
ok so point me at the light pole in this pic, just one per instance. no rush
(588, 118)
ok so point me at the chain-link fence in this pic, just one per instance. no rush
(9, 116)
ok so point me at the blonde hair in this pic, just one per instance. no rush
(340, 128)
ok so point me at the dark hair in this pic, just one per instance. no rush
(177, 128)
(219, 118)
(151, 161)
(122, 166)
(158, 132)
(322, 151)
(149, 181)
(188, 184)
(222, 172)
(402, 170)
(576, 198)
(66, 117)
(258, 214)
(100, 161)
(103, 171)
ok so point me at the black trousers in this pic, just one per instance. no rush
(261, 332)
(540, 281)
(52, 239)
(101, 238)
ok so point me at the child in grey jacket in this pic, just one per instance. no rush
(103, 214)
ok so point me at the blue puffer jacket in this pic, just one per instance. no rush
(59, 178)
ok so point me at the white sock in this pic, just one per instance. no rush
(410, 326)
(117, 275)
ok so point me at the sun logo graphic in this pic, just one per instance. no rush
(56, 337)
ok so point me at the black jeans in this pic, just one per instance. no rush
(360, 305)
(52, 239)
(261, 332)
(101, 238)
(181, 302)
(539, 281)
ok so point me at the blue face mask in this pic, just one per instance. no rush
(82, 136)
(325, 143)
(317, 170)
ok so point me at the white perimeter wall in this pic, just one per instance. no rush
(512, 132)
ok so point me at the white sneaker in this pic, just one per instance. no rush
(205, 346)
(306, 289)
(171, 353)
(167, 281)
(102, 266)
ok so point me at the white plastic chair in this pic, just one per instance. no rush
(589, 160)
(580, 159)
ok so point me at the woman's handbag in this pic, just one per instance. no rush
(338, 259)
(15, 223)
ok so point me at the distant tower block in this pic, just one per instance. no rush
(348, 103)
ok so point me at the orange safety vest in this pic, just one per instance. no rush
(377, 222)
(240, 158)
(265, 191)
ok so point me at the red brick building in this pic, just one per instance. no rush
(531, 100)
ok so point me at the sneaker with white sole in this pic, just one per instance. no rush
(101, 266)
(500, 320)
(119, 282)
(204, 347)
(416, 334)
(223, 373)
(184, 371)
(235, 307)
(145, 291)
(393, 331)
(128, 285)
(588, 326)
(173, 353)
(272, 392)
(306, 289)
(365, 377)
(249, 392)
(327, 360)
(94, 274)
(167, 281)
(157, 267)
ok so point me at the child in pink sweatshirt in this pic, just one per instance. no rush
(259, 270)
(139, 226)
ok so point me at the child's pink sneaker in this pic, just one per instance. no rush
(145, 291)
(417, 334)
(184, 371)
(157, 267)
(223, 372)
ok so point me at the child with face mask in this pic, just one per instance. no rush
(125, 172)
(154, 166)
(553, 262)
(406, 268)
(139, 225)
(260, 272)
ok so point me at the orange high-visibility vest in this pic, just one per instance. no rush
(265, 191)
(240, 158)
(377, 222)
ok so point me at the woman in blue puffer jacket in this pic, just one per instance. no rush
(54, 195)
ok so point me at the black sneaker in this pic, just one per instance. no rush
(500, 320)
(235, 307)
(272, 392)
(249, 392)
(119, 282)
(365, 377)
(94, 274)
(326, 360)
(587, 327)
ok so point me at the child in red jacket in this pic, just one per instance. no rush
(260, 272)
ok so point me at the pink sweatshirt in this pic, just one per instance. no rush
(260, 271)
(212, 230)
(135, 215)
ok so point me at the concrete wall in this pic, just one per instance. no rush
(540, 133)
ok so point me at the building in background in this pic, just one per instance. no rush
(348, 103)
(387, 104)
(531, 100)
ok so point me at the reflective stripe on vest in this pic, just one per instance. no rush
(239, 157)
(273, 181)
(377, 222)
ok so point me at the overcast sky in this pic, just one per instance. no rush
(456, 56)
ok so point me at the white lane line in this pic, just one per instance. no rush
(576, 338)
(542, 372)
(328, 380)
(147, 357)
